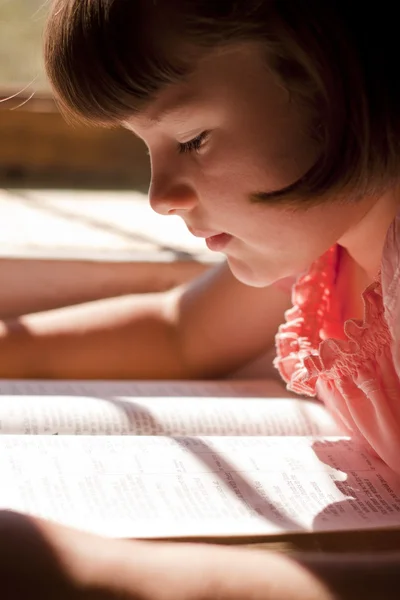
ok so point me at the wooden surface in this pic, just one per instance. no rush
(37, 145)
(62, 247)
(359, 542)
(364, 542)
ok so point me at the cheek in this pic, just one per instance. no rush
(223, 191)
(282, 150)
(290, 230)
(289, 239)
(275, 248)
(226, 169)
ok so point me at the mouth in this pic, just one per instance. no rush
(216, 242)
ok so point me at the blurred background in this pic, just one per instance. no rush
(20, 56)
(37, 146)
(75, 224)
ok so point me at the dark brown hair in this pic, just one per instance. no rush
(107, 59)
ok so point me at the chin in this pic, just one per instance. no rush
(249, 275)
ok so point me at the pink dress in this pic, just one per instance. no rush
(353, 368)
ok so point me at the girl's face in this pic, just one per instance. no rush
(229, 132)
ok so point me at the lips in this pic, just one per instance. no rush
(217, 243)
(214, 241)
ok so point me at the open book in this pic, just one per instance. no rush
(179, 460)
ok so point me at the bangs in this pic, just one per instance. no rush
(108, 59)
(102, 61)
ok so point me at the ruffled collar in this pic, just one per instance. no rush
(313, 340)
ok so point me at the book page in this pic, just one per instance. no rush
(163, 408)
(149, 487)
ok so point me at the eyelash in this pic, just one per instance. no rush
(193, 145)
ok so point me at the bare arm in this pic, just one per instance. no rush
(205, 329)
(42, 560)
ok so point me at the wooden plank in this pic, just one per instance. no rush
(37, 143)
(337, 542)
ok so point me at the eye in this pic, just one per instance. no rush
(193, 145)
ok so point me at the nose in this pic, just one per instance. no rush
(172, 199)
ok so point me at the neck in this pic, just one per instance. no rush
(365, 239)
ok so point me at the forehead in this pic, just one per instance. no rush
(177, 98)
(175, 109)
(224, 75)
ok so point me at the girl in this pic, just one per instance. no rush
(273, 129)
